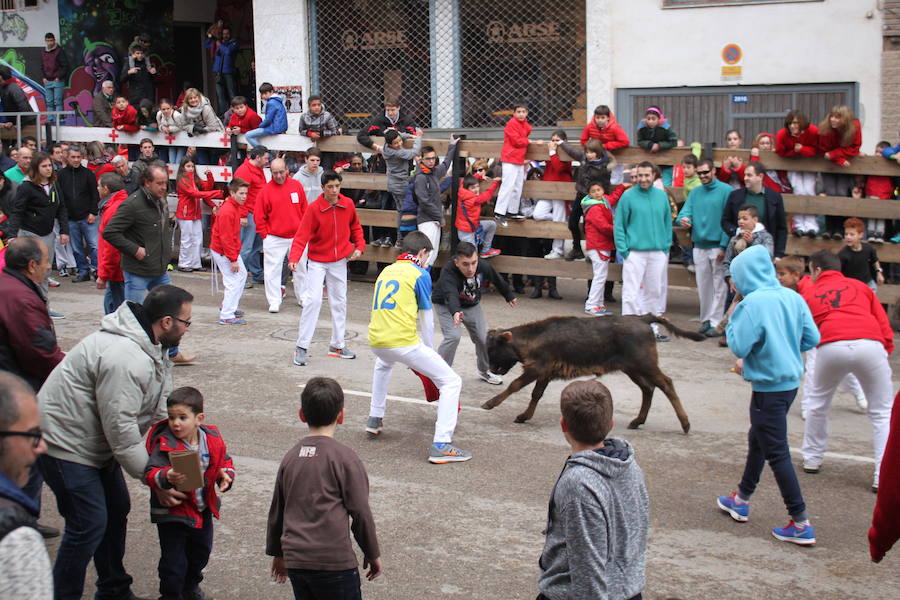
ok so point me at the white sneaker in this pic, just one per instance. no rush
(274, 308)
(811, 467)
(861, 403)
(554, 255)
(491, 378)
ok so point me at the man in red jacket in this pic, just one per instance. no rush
(109, 260)
(252, 172)
(279, 209)
(856, 338)
(225, 247)
(334, 236)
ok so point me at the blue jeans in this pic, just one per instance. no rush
(251, 245)
(83, 234)
(34, 486)
(325, 585)
(95, 505)
(225, 90)
(252, 138)
(54, 96)
(136, 288)
(114, 296)
(172, 154)
(767, 442)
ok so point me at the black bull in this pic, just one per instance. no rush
(569, 347)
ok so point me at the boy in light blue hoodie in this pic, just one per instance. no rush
(276, 116)
(769, 330)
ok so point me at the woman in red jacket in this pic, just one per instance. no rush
(191, 190)
(840, 136)
(800, 138)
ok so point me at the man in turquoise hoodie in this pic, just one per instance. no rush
(702, 214)
(769, 330)
(643, 234)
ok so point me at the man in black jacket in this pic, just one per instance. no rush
(13, 98)
(78, 188)
(769, 204)
(457, 299)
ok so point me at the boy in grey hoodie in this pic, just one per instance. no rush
(599, 509)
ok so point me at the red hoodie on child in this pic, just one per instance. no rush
(248, 122)
(612, 136)
(515, 141)
(226, 231)
(830, 142)
(126, 118)
(808, 139)
(472, 203)
(190, 195)
(598, 222)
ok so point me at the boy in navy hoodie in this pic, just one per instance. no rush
(276, 116)
(769, 330)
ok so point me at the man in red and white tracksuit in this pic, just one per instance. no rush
(280, 207)
(225, 247)
(856, 338)
(332, 235)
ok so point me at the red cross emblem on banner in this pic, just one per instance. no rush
(171, 171)
(170, 138)
(225, 173)
(113, 135)
(225, 139)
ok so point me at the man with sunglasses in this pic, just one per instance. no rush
(96, 407)
(702, 214)
(26, 567)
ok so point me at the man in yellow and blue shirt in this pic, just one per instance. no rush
(402, 298)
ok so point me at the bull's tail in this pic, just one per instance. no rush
(677, 331)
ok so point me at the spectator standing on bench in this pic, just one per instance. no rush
(427, 190)
(800, 138)
(512, 157)
(397, 160)
(55, 71)
(138, 74)
(318, 124)
(840, 137)
(275, 121)
(555, 210)
(225, 50)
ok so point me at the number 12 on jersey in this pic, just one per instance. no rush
(391, 287)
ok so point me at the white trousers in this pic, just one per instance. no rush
(804, 183)
(868, 360)
(644, 282)
(510, 189)
(334, 276)
(432, 229)
(600, 268)
(551, 210)
(710, 274)
(428, 362)
(849, 383)
(232, 282)
(274, 250)
(65, 258)
(191, 243)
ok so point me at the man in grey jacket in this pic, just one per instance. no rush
(427, 188)
(95, 408)
(599, 509)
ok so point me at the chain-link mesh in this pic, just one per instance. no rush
(454, 63)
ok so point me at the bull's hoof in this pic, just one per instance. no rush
(488, 405)
(635, 424)
(686, 427)
(521, 419)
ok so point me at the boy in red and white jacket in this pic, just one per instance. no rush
(605, 128)
(512, 158)
(599, 240)
(468, 215)
(331, 230)
(225, 247)
(279, 211)
(109, 260)
(186, 530)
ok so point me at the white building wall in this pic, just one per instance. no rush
(281, 33)
(799, 42)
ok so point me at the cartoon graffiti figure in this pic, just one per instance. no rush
(100, 62)
(13, 25)
(832, 297)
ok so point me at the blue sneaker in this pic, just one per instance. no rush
(739, 512)
(804, 536)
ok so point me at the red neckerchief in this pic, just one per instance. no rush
(409, 257)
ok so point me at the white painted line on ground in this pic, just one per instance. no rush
(397, 398)
(840, 456)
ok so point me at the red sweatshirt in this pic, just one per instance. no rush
(126, 118)
(557, 170)
(515, 141)
(847, 309)
(332, 231)
(612, 136)
(830, 142)
(724, 174)
(885, 529)
(280, 209)
(880, 186)
(109, 259)
(473, 203)
(190, 195)
(256, 177)
(598, 222)
(248, 122)
(809, 139)
(780, 185)
(226, 231)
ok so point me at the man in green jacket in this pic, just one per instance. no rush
(702, 214)
(643, 234)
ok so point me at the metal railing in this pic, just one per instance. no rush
(32, 119)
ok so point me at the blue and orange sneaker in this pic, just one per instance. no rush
(739, 511)
(803, 536)
(447, 453)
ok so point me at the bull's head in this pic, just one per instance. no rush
(501, 351)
